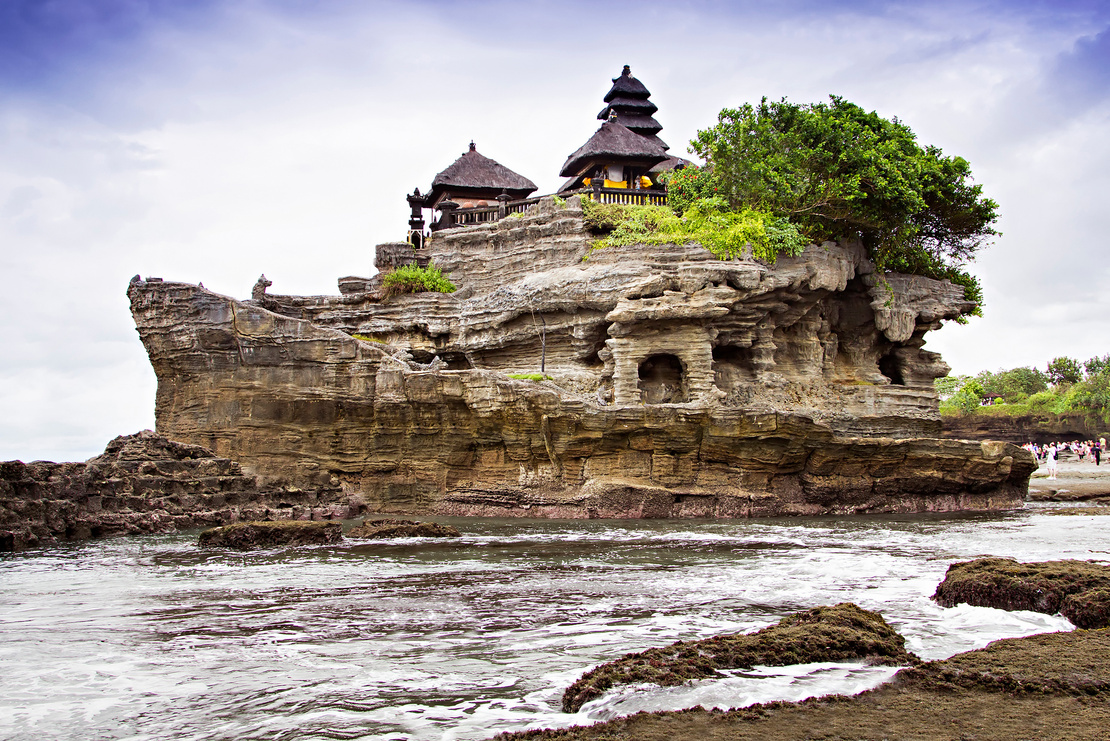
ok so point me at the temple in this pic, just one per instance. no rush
(554, 378)
(620, 163)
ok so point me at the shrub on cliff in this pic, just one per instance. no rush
(838, 171)
(687, 185)
(414, 279)
(706, 221)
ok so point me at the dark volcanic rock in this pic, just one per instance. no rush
(247, 535)
(1076, 589)
(1053, 686)
(402, 529)
(146, 483)
(837, 633)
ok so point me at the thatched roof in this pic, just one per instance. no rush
(626, 86)
(642, 125)
(628, 106)
(475, 174)
(613, 143)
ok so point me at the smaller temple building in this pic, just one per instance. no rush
(475, 180)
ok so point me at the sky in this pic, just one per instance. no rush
(213, 141)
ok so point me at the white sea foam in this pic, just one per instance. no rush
(151, 638)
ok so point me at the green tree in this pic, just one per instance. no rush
(1064, 370)
(837, 171)
(948, 386)
(1097, 366)
(1014, 383)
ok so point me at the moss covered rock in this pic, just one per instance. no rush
(402, 529)
(838, 633)
(1079, 590)
(247, 535)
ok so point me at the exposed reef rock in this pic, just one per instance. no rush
(145, 483)
(249, 535)
(683, 385)
(403, 529)
(1078, 590)
(1051, 687)
(839, 633)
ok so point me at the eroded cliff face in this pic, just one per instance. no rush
(682, 385)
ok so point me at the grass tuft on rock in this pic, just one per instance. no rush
(1079, 590)
(837, 633)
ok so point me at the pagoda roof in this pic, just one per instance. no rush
(474, 171)
(614, 143)
(627, 85)
(622, 105)
(642, 125)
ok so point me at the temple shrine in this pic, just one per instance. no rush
(620, 163)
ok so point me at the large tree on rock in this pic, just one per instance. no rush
(838, 171)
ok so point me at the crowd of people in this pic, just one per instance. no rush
(1049, 454)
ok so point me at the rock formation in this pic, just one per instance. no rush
(381, 529)
(269, 534)
(144, 483)
(843, 632)
(682, 385)
(1078, 590)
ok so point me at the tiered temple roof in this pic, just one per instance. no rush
(628, 99)
(613, 143)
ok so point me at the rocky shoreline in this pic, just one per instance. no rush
(146, 483)
(1048, 686)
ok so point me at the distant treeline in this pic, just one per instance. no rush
(1065, 386)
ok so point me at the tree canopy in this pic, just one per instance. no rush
(1026, 390)
(838, 171)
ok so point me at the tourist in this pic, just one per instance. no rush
(1096, 453)
(1050, 458)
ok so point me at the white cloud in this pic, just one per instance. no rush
(283, 141)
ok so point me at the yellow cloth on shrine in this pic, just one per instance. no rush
(615, 183)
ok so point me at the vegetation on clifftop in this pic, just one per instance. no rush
(1067, 387)
(706, 221)
(783, 175)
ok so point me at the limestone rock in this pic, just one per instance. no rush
(250, 535)
(682, 385)
(837, 633)
(402, 529)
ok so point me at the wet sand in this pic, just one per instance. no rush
(1075, 482)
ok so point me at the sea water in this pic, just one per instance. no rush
(153, 638)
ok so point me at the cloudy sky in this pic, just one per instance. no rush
(216, 140)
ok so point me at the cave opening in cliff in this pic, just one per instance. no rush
(662, 380)
(732, 367)
(890, 367)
